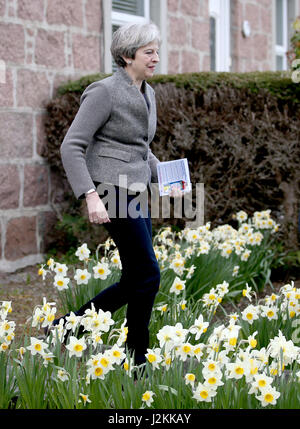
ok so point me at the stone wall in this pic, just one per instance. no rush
(43, 43)
(254, 52)
(188, 36)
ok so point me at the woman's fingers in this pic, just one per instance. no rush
(96, 209)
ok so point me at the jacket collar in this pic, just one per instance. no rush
(121, 73)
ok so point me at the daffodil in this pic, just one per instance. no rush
(214, 380)
(247, 292)
(37, 346)
(211, 367)
(82, 276)
(241, 216)
(183, 351)
(76, 346)
(50, 264)
(178, 286)
(154, 357)
(199, 327)
(270, 312)
(235, 270)
(236, 369)
(250, 313)
(252, 341)
(72, 321)
(204, 393)
(83, 252)
(117, 354)
(101, 271)
(190, 378)
(147, 397)
(268, 396)
(60, 269)
(62, 374)
(61, 282)
(84, 398)
(42, 272)
(162, 308)
(259, 383)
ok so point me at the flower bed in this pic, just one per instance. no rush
(250, 360)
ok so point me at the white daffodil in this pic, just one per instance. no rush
(49, 317)
(250, 313)
(82, 276)
(162, 308)
(177, 265)
(83, 252)
(72, 321)
(116, 354)
(269, 312)
(183, 351)
(178, 286)
(61, 282)
(101, 270)
(62, 374)
(60, 269)
(42, 272)
(245, 255)
(247, 292)
(268, 396)
(37, 346)
(154, 357)
(211, 367)
(259, 383)
(214, 380)
(84, 398)
(222, 288)
(204, 393)
(198, 351)
(199, 327)
(252, 341)
(147, 397)
(50, 264)
(190, 378)
(236, 369)
(76, 346)
(235, 270)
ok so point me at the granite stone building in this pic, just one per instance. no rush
(44, 43)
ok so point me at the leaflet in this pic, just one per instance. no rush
(173, 174)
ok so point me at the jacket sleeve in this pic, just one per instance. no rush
(93, 112)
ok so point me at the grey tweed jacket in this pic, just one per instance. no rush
(110, 135)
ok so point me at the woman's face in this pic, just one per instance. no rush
(145, 61)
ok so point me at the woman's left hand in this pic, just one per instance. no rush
(176, 192)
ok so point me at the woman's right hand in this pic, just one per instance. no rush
(96, 209)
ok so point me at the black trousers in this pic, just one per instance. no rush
(140, 277)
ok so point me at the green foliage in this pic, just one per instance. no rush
(239, 131)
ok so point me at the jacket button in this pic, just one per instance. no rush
(145, 157)
(145, 138)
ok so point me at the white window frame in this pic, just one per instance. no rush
(120, 18)
(220, 10)
(281, 50)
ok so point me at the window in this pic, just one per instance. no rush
(219, 35)
(285, 14)
(135, 11)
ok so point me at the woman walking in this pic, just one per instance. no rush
(107, 142)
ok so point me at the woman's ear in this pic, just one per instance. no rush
(128, 61)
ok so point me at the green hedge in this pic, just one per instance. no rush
(239, 131)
